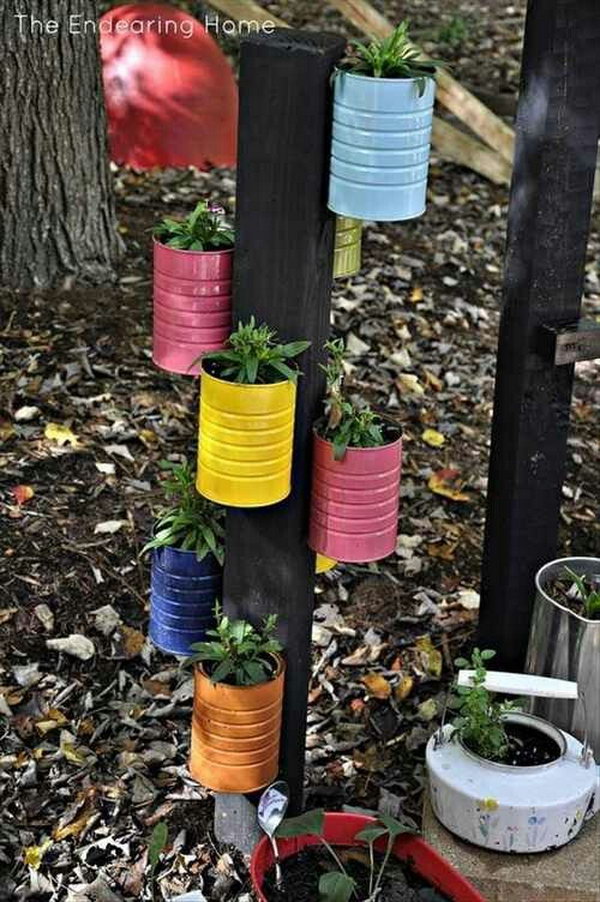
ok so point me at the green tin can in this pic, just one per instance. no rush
(348, 239)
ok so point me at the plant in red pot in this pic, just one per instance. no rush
(336, 857)
(193, 262)
(357, 460)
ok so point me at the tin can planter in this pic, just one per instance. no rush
(236, 732)
(347, 247)
(566, 645)
(245, 441)
(380, 147)
(183, 591)
(355, 501)
(507, 808)
(340, 830)
(192, 306)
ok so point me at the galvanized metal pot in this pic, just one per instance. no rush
(380, 147)
(192, 306)
(512, 809)
(245, 441)
(236, 732)
(183, 591)
(566, 645)
(347, 247)
(355, 501)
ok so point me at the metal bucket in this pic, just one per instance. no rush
(347, 248)
(192, 306)
(180, 617)
(380, 147)
(565, 645)
(355, 501)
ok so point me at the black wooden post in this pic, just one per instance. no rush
(283, 270)
(551, 194)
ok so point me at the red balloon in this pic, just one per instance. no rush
(170, 93)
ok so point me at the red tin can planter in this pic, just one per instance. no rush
(192, 306)
(355, 501)
(340, 830)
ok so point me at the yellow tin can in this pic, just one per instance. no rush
(245, 441)
(347, 248)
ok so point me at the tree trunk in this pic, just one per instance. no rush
(57, 215)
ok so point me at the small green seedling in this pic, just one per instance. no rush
(239, 654)
(392, 57)
(255, 356)
(590, 598)
(203, 230)
(192, 523)
(338, 885)
(159, 839)
(347, 425)
(480, 723)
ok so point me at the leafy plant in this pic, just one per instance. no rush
(347, 425)
(339, 886)
(480, 723)
(192, 523)
(453, 33)
(392, 57)
(203, 230)
(590, 598)
(239, 654)
(255, 356)
(159, 839)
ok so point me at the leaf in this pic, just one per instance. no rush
(33, 855)
(62, 435)
(404, 688)
(448, 483)
(22, 493)
(308, 824)
(336, 887)
(416, 294)
(371, 833)
(433, 437)
(396, 827)
(432, 656)
(427, 709)
(75, 827)
(158, 840)
(109, 527)
(377, 685)
(408, 384)
(76, 645)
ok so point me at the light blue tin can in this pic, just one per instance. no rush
(380, 147)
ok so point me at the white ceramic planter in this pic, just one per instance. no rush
(513, 809)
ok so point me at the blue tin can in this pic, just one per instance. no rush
(183, 592)
(380, 147)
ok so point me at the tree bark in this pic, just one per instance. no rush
(57, 216)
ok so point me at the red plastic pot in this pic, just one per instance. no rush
(355, 501)
(340, 830)
(192, 306)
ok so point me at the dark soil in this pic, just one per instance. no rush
(529, 747)
(301, 874)
(564, 592)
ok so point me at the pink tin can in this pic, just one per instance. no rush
(192, 306)
(355, 501)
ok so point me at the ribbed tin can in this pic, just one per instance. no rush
(380, 147)
(347, 248)
(355, 501)
(245, 442)
(236, 733)
(182, 606)
(192, 306)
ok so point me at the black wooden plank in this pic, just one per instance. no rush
(283, 268)
(551, 194)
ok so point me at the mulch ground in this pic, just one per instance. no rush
(93, 751)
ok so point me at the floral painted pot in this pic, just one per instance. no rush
(355, 501)
(380, 147)
(236, 732)
(347, 247)
(340, 830)
(192, 306)
(245, 442)
(566, 645)
(182, 606)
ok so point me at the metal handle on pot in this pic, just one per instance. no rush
(526, 684)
